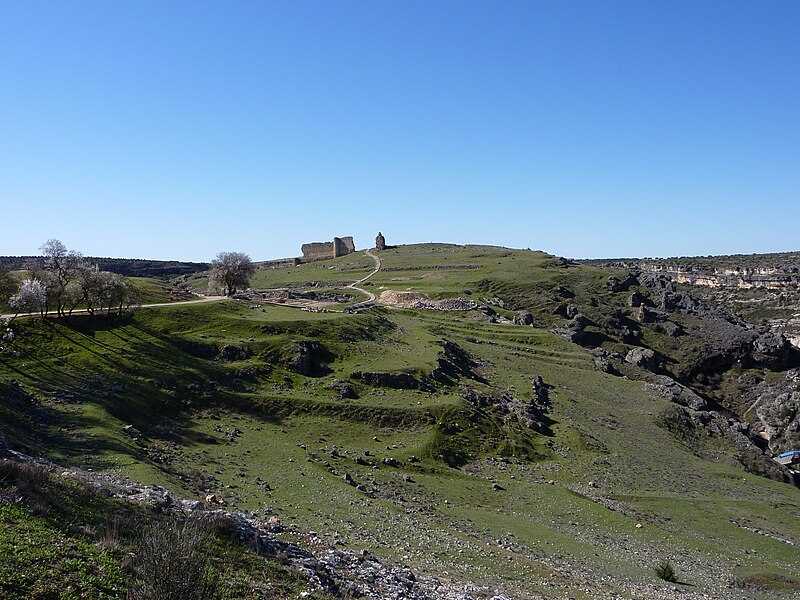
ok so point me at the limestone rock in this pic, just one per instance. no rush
(523, 317)
(772, 350)
(644, 358)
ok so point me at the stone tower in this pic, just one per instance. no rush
(380, 242)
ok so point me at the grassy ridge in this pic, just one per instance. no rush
(520, 510)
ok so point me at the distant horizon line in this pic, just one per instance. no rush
(595, 258)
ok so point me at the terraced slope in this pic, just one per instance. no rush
(459, 444)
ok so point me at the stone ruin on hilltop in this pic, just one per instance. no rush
(340, 246)
(322, 250)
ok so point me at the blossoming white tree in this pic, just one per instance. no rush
(31, 297)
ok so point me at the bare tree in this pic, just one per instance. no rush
(230, 271)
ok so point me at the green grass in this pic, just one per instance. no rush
(161, 372)
(37, 560)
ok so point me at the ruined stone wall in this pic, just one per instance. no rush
(317, 251)
(322, 250)
(343, 246)
(281, 263)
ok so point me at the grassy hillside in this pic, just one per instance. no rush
(451, 479)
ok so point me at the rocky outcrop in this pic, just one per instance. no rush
(644, 358)
(523, 317)
(780, 421)
(737, 277)
(575, 329)
(398, 381)
(772, 408)
(722, 339)
(230, 352)
(309, 358)
(615, 284)
(568, 310)
(696, 426)
(380, 242)
(531, 413)
(454, 363)
(677, 393)
(343, 389)
(773, 350)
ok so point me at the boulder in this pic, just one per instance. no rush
(573, 329)
(780, 419)
(669, 328)
(677, 393)
(644, 358)
(523, 317)
(636, 300)
(344, 389)
(568, 310)
(773, 350)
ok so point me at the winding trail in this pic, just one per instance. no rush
(370, 296)
(355, 286)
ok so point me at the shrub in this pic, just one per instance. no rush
(666, 572)
(171, 563)
(29, 482)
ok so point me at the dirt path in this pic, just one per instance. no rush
(370, 296)
(159, 304)
(355, 286)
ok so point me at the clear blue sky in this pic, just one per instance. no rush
(588, 129)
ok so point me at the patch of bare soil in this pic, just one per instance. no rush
(418, 300)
